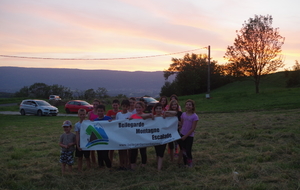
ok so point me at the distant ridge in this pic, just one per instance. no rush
(136, 83)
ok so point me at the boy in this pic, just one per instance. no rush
(79, 152)
(115, 109)
(102, 154)
(67, 143)
(124, 114)
(112, 113)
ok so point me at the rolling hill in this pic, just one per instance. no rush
(116, 82)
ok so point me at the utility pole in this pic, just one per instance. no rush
(208, 74)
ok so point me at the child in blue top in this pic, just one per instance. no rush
(102, 154)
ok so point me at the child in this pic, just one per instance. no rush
(67, 143)
(174, 111)
(159, 149)
(139, 106)
(124, 114)
(112, 113)
(79, 152)
(92, 115)
(173, 97)
(189, 121)
(164, 102)
(132, 105)
(102, 154)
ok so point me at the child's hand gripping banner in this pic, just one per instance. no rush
(127, 134)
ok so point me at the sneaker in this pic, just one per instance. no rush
(189, 163)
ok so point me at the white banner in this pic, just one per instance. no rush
(127, 134)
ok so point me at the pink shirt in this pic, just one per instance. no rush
(92, 116)
(188, 123)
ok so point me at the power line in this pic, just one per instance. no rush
(98, 59)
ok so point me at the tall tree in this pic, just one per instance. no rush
(101, 92)
(39, 90)
(89, 94)
(256, 49)
(191, 74)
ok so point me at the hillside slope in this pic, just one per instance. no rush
(241, 96)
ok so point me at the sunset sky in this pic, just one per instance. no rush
(96, 29)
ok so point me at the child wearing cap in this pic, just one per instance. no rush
(67, 143)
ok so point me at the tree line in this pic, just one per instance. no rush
(42, 90)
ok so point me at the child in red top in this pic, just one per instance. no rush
(112, 113)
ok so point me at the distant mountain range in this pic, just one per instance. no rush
(136, 83)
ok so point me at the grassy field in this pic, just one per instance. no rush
(262, 147)
(243, 141)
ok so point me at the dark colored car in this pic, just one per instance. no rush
(149, 101)
(37, 107)
(75, 105)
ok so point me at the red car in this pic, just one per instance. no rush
(75, 105)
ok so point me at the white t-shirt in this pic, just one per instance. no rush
(121, 115)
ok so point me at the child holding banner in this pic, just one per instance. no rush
(79, 152)
(91, 116)
(102, 154)
(164, 102)
(112, 113)
(174, 111)
(189, 121)
(132, 105)
(159, 149)
(124, 114)
(139, 107)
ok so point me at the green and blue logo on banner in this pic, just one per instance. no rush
(97, 136)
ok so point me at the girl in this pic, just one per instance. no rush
(139, 107)
(164, 102)
(174, 110)
(159, 149)
(173, 97)
(92, 115)
(189, 121)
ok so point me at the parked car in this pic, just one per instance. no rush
(54, 97)
(37, 107)
(75, 105)
(149, 101)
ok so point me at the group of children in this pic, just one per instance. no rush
(130, 109)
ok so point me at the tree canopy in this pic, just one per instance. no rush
(256, 50)
(191, 75)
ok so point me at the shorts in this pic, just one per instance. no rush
(80, 154)
(66, 157)
(160, 150)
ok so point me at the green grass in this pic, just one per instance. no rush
(241, 96)
(263, 147)
(256, 135)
